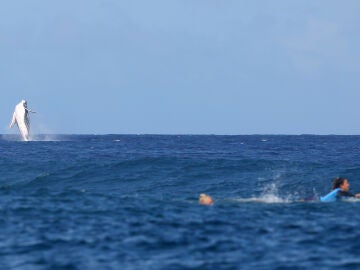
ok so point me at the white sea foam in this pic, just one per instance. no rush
(269, 195)
(32, 138)
(351, 199)
(45, 138)
(263, 199)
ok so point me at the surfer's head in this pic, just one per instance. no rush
(341, 182)
(205, 199)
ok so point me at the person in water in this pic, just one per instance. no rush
(343, 185)
(205, 199)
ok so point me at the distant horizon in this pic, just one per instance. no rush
(173, 134)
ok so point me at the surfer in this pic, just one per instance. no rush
(21, 118)
(344, 186)
(340, 190)
(205, 199)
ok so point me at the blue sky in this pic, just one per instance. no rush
(182, 66)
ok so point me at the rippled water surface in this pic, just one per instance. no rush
(130, 202)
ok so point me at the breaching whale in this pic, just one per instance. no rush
(21, 118)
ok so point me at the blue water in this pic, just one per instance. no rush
(130, 202)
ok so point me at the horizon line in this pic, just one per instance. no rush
(180, 134)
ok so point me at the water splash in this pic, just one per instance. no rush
(45, 138)
(32, 138)
(269, 195)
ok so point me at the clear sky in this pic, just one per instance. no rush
(182, 66)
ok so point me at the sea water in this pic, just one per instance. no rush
(131, 202)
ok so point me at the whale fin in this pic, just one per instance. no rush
(13, 120)
(30, 110)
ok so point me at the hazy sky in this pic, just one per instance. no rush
(182, 66)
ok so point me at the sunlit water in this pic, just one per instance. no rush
(130, 202)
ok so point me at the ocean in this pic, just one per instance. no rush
(131, 202)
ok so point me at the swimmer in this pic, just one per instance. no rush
(205, 199)
(344, 186)
(340, 190)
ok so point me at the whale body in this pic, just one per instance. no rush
(21, 118)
